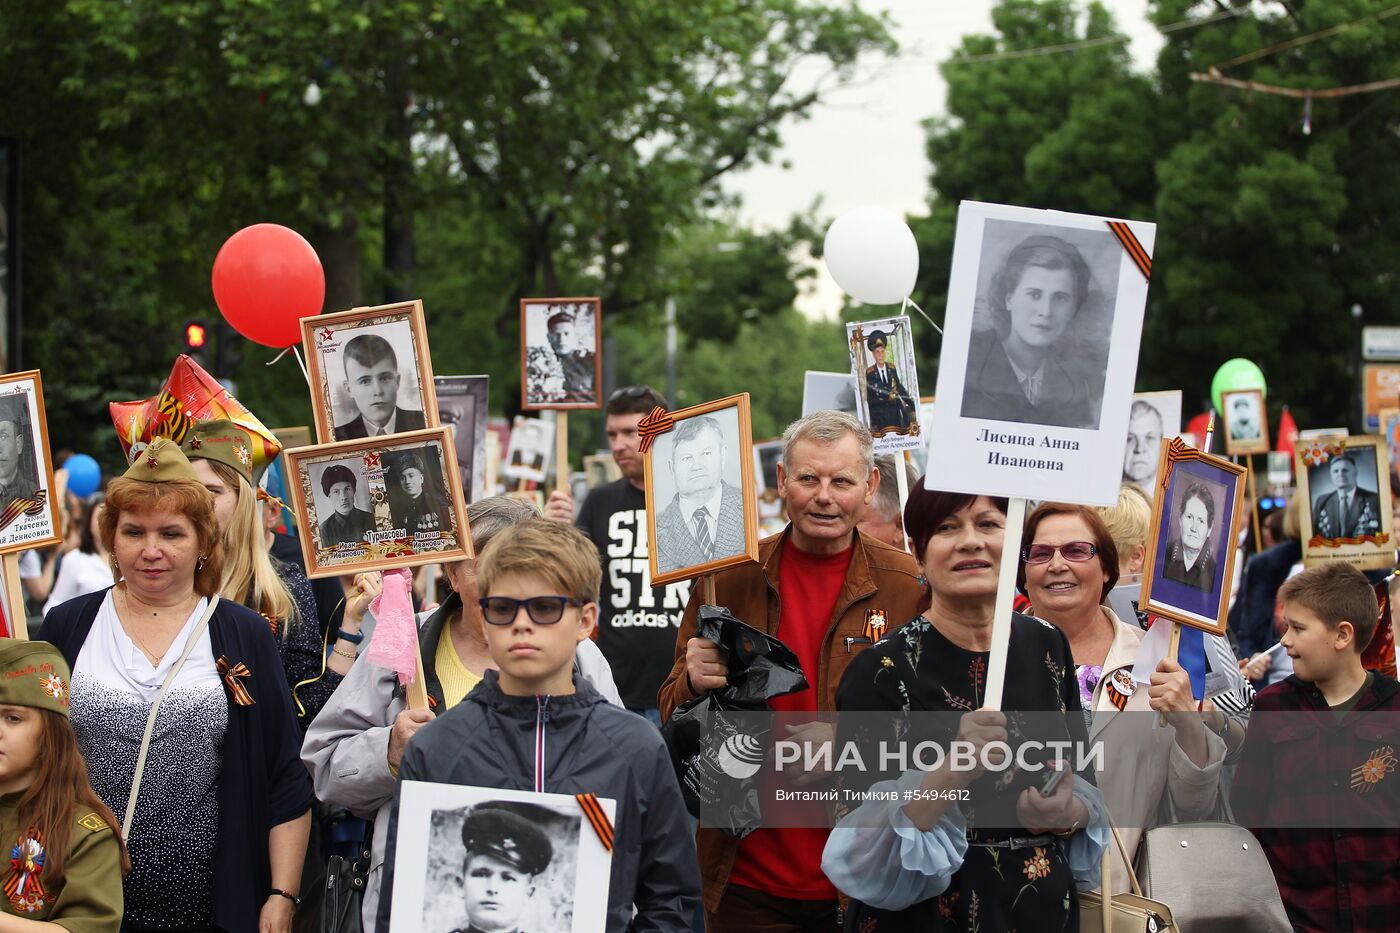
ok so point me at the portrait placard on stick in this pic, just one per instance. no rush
(1246, 422)
(28, 502)
(461, 403)
(379, 503)
(485, 858)
(702, 512)
(561, 353)
(1040, 346)
(528, 453)
(828, 392)
(370, 372)
(1345, 485)
(1191, 544)
(886, 382)
(1154, 417)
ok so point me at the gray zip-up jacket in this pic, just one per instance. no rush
(346, 747)
(582, 745)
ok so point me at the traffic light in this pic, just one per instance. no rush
(196, 340)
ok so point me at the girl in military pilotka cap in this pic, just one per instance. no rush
(66, 857)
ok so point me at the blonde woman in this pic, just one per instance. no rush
(221, 454)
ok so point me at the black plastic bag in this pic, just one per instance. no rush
(716, 756)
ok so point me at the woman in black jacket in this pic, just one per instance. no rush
(222, 775)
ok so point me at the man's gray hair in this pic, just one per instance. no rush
(886, 501)
(828, 427)
(490, 516)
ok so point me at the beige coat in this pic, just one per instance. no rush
(1142, 761)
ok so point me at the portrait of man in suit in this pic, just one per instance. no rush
(704, 521)
(372, 379)
(1347, 510)
(891, 408)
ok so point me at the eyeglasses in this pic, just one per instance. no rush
(542, 610)
(1076, 551)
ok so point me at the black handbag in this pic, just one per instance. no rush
(344, 891)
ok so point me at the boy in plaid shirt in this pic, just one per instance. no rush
(1319, 785)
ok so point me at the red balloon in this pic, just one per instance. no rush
(266, 279)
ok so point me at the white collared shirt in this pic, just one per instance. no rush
(388, 428)
(1030, 383)
(712, 505)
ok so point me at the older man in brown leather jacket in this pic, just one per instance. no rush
(828, 591)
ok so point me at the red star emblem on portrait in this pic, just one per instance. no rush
(372, 460)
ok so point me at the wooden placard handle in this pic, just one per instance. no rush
(14, 598)
(1006, 596)
(561, 451)
(416, 693)
(707, 584)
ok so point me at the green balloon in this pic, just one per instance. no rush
(1234, 375)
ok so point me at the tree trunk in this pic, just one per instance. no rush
(339, 249)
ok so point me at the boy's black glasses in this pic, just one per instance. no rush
(542, 610)
(1076, 551)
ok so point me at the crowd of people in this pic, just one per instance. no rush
(195, 732)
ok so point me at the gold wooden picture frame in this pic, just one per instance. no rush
(391, 519)
(569, 376)
(1191, 551)
(383, 343)
(715, 470)
(1246, 422)
(29, 512)
(1346, 510)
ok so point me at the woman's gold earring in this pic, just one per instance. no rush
(199, 564)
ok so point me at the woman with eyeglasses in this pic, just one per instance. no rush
(1154, 772)
(937, 863)
(353, 748)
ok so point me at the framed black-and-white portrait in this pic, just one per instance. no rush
(886, 381)
(1154, 417)
(529, 453)
(1039, 353)
(702, 514)
(1246, 422)
(600, 469)
(379, 503)
(1345, 485)
(1191, 547)
(766, 457)
(484, 858)
(561, 353)
(370, 370)
(461, 406)
(28, 508)
(828, 392)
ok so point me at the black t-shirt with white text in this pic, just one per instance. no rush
(637, 623)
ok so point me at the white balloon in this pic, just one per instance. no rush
(872, 255)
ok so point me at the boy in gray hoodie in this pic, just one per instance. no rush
(535, 725)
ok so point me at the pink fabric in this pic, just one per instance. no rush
(394, 641)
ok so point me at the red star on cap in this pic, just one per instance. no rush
(196, 443)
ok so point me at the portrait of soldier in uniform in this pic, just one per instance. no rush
(346, 524)
(504, 853)
(891, 407)
(560, 353)
(18, 475)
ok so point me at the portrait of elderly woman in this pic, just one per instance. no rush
(417, 501)
(1040, 361)
(1191, 557)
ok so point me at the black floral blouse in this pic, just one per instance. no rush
(915, 668)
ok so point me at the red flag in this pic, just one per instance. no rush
(1197, 427)
(1287, 433)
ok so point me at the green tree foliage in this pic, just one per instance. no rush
(469, 151)
(1266, 235)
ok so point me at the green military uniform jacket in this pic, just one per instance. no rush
(89, 898)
